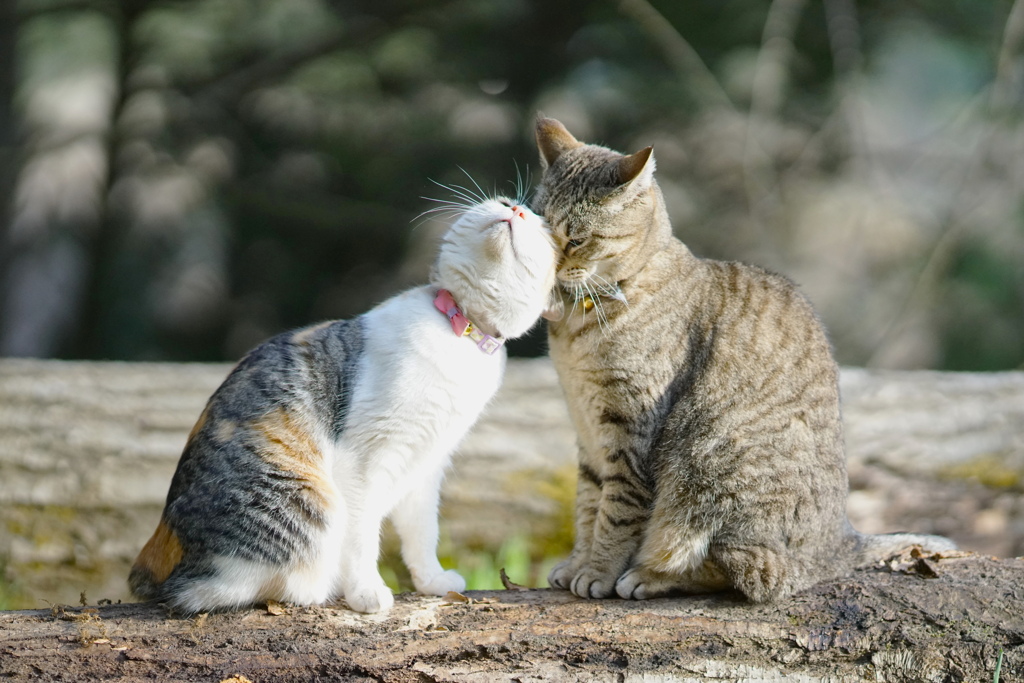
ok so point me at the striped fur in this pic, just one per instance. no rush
(319, 434)
(705, 398)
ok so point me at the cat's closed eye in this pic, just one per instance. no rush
(575, 243)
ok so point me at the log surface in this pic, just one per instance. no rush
(892, 623)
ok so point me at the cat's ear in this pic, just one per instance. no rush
(552, 140)
(633, 166)
(555, 308)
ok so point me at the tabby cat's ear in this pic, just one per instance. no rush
(633, 166)
(552, 140)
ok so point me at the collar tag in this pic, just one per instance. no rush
(462, 327)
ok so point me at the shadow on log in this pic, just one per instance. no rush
(914, 619)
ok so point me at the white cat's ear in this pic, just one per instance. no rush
(636, 166)
(555, 308)
(552, 140)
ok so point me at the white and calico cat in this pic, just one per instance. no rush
(319, 434)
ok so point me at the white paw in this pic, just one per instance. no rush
(630, 586)
(562, 575)
(370, 599)
(442, 584)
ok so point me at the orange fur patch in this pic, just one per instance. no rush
(288, 444)
(161, 554)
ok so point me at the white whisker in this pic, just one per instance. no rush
(467, 195)
(609, 289)
(521, 184)
(483, 195)
(595, 296)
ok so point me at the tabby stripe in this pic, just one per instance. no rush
(623, 521)
(623, 422)
(630, 499)
(588, 474)
(622, 479)
(634, 468)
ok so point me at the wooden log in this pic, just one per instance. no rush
(916, 619)
(87, 451)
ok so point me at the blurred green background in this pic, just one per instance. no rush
(183, 178)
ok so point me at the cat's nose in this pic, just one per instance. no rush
(517, 212)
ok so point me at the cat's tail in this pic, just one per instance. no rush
(142, 585)
(872, 548)
(158, 558)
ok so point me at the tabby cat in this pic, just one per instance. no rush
(705, 399)
(319, 434)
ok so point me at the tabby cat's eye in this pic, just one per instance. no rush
(575, 243)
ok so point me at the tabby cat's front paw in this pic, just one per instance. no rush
(636, 584)
(591, 584)
(443, 583)
(563, 574)
(370, 598)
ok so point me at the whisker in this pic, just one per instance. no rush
(468, 196)
(609, 289)
(444, 213)
(464, 200)
(595, 296)
(483, 195)
(520, 184)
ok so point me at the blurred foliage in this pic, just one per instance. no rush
(11, 596)
(187, 177)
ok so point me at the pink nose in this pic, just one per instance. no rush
(517, 212)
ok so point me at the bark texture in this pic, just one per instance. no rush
(915, 619)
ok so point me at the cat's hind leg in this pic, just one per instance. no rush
(316, 580)
(760, 573)
(673, 558)
(221, 583)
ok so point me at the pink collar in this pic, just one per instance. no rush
(461, 325)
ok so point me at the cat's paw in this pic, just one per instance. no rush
(562, 575)
(635, 585)
(591, 584)
(370, 598)
(442, 584)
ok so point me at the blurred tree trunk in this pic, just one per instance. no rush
(8, 134)
(101, 260)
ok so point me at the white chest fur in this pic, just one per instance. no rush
(419, 390)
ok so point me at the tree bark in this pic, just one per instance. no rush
(919, 619)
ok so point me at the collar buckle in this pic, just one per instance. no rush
(461, 325)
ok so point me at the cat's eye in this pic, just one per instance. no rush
(572, 244)
(505, 202)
